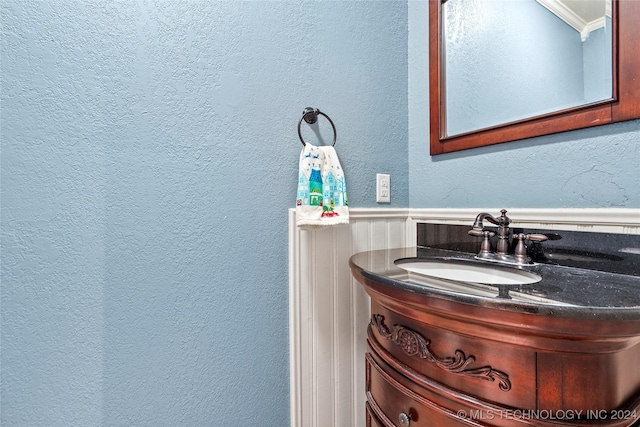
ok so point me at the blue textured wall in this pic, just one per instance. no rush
(598, 79)
(149, 156)
(589, 168)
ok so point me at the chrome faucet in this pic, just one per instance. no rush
(519, 256)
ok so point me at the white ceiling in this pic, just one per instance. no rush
(587, 10)
(583, 15)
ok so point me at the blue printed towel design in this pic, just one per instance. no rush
(322, 193)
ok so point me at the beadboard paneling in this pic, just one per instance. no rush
(329, 313)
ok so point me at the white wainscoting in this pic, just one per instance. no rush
(329, 310)
(329, 313)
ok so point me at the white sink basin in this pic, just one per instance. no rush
(470, 272)
(470, 278)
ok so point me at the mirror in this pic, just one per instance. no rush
(508, 60)
(478, 81)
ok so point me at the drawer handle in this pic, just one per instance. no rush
(405, 419)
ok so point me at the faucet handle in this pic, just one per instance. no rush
(485, 247)
(480, 233)
(536, 237)
(520, 252)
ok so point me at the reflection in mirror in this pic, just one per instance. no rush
(508, 60)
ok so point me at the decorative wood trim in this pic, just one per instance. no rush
(373, 213)
(593, 25)
(612, 220)
(295, 326)
(412, 343)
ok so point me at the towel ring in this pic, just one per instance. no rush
(310, 115)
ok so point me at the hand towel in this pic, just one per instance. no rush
(322, 194)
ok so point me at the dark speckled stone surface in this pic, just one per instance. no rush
(591, 280)
(615, 253)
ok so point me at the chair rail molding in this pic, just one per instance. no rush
(601, 220)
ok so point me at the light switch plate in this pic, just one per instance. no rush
(383, 188)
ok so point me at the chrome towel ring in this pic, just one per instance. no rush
(310, 115)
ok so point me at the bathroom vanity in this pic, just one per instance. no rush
(555, 345)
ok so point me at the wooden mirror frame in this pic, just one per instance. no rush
(624, 105)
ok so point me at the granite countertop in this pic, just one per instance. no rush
(563, 291)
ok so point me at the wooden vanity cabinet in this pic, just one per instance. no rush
(372, 420)
(440, 363)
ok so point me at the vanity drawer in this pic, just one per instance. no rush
(372, 420)
(492, 371)
(389, 400)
